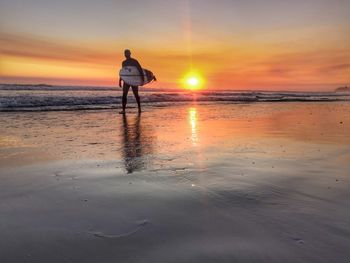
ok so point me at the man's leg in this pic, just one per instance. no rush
(135, 90)
(126, 88)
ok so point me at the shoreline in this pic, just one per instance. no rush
(133, 105)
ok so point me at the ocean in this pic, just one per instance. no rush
(54, 98)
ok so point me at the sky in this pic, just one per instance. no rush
(231, 44)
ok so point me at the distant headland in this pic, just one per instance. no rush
(343, 89)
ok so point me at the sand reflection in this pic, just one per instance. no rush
(136, 142)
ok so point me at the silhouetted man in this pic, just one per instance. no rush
(129, 61)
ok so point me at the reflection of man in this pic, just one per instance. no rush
(137, 142)
(132, 144)
(129, 61)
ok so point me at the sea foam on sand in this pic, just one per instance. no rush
(189, 183)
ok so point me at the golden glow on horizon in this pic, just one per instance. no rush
(40, 68)
(246, 67)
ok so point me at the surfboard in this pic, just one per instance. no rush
(131, 76)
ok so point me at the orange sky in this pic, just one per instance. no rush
(300, 45)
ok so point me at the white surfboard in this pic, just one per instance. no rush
(131, 76)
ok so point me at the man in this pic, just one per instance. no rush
(129, 61)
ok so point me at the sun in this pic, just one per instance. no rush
(192, 81)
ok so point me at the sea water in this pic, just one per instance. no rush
(46, 98)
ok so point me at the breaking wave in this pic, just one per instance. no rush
(45, 98)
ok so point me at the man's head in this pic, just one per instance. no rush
(127, 53)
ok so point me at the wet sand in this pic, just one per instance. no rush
(265, 182)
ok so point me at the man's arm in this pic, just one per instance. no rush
(120, 79)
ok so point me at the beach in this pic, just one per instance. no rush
(174, 131)
(187, 182)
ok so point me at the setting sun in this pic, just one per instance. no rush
(193, 81)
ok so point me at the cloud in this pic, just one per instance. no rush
(296, 70)
(307, 64)
(40, 48)
(335, 68)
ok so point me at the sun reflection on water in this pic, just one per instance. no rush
(192, 116)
